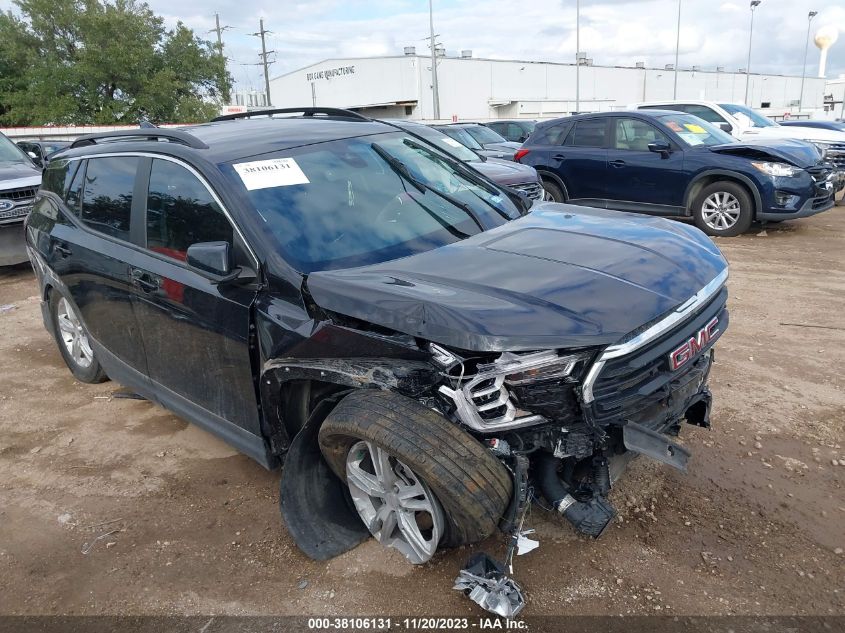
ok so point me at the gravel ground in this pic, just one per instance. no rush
(756, 527)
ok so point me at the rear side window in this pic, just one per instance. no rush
(551, 135)
(588, 133)
(107, 195)
(58, 176)
(181, 212)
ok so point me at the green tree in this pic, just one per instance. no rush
(104, 62)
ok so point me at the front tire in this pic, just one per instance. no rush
(417, 480)
(73, 340)
(554, 193)
(723, 209)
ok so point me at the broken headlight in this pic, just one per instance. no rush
(778, 169)
(491, 400)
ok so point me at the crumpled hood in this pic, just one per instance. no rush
(506, 172)
(795, 152)
(560, 277)
(13, 175)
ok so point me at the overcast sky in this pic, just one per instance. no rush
(713, 32)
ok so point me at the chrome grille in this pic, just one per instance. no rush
(21, 193)
(835, 155)
(15, 212)
(533, 190)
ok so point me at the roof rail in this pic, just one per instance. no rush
(306, 112)
(153, 134)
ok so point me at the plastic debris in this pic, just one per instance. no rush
(8, 307)
(525, 544)
(483, 580)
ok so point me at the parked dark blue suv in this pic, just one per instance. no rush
(674, 164)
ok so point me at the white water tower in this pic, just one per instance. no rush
(825, 38)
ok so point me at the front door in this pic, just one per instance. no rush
(637, 175)
(196, 332)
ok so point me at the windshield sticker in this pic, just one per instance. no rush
(694, 128)
(451, 141)
(674, 126)
(276, 172)
(691, 138)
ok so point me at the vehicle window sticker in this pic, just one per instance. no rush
(451, 141)
(695, 129)
(276, 172)
(672, 125)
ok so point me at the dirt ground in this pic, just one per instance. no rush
(756, 527)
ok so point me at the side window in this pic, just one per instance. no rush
(58, 176)
(181, 212)
(552, 135)
(74, 190)
(703, 112)
(588, 133)
(633, 134)
(107, 195)
(514, 131)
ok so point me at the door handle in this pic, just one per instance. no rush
(62, 249)
(559, 156)
(144, 280)
(617, 163)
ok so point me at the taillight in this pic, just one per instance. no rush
(520, 153)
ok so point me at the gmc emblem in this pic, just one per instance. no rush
(679, 357)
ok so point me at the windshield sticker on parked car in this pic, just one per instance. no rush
(276, 172)
(694, 128)
(691, 138)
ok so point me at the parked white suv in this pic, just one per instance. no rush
(746, 124)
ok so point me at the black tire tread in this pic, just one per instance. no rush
(473, 486)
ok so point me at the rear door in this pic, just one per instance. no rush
(583, 161)
(91, 257)
(196, 332)
(636, 175)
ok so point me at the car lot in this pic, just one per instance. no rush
(754, 527)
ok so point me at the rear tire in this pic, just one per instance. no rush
(723, 209)
(553, 190)
(468, 483)
(73, 340)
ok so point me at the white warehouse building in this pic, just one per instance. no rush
(484, 89)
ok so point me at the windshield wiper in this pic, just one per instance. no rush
(399, 167)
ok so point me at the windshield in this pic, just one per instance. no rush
(366, 200)
(748, 116)
(446, 143)
(694, 131)
(485, 135)
(461, 135)
(11, 153)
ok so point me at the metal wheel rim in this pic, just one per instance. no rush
(547, 196)
(73, 335)
(720, 210)
(397, 507)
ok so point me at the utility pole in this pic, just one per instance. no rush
(677, 49)
(577, 56)
(754, 4)
(435, 92)
(264, 61)
(219, 31)
(810, 17)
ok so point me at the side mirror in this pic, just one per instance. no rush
(725, 127)
(660, 147)
(211, 257)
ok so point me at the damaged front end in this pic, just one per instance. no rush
(579, 416)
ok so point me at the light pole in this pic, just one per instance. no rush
(577, 56)
(677, 48)
(754, 4)
(435, 92)
(810, 17)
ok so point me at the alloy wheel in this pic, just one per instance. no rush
(397, 507)
(720, 210)
(73, 335)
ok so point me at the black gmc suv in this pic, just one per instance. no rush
(320, 288)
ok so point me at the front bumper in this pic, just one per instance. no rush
(12, 244)
(811, 207)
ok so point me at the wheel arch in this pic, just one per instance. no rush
(547, 173)
(711, 176)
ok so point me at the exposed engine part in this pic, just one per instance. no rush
(483, 580)
(601, 475)
(574, 444)
(589, 517)
(485, 402)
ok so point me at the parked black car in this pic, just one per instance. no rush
(40, 151)
(19, 180)
(516, 130)
(491, 144)
(335, 292)
(504, 172)
(670, 163)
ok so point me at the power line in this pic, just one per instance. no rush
(264, 58)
